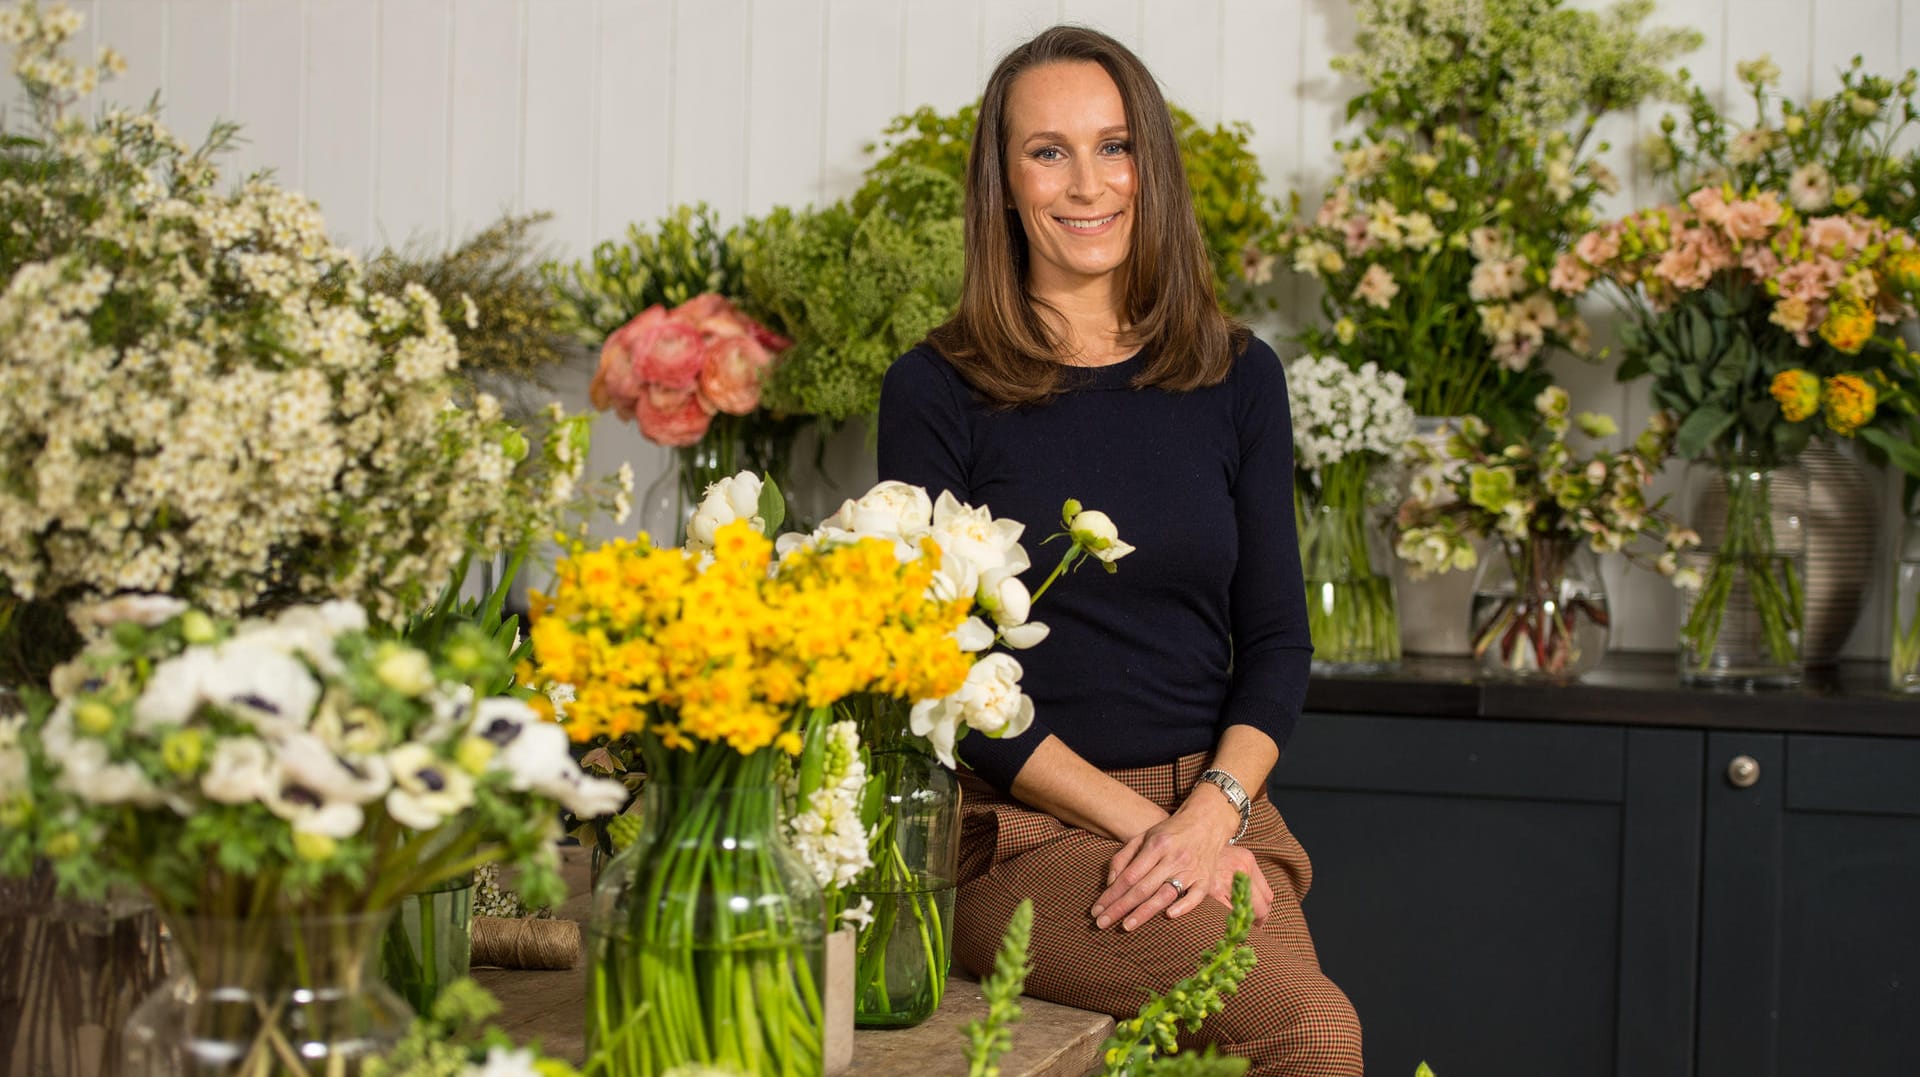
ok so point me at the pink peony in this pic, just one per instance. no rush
(672, 417)
(735, 366)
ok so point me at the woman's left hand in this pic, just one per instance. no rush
(1185, 847)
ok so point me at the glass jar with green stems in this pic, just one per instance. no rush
(708, 933)
(1741, 626)
(1346, 561)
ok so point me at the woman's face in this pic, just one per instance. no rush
(1070, 173)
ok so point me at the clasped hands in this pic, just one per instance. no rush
(1188, 848)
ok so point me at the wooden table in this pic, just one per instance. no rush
(1050, 1040)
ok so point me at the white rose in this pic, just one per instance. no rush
(973, 543)
(730, 499)
(1020, 637)
(1005, 597)
(890, 510)
(990, 701)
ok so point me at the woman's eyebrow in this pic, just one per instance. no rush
(1055, 136)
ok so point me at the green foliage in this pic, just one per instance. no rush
(1835, 154)
(1239, 224)
(1138, 1041)
(490, 638)
(854, 285)
(686, 254)
(515, 326)
(990, 1037)
(455, 1036)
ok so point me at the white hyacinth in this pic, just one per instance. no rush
(1339, 411)
(826, 831)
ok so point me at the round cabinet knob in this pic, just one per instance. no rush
(1743, 771)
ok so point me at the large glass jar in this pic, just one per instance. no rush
(1742, 606)
(1903, 674)
(708, 937)
(1540, 610)
(296, 996)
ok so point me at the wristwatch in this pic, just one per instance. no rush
(1236, 795)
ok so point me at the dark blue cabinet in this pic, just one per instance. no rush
(1516, 898)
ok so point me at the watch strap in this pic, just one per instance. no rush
(1236, 795)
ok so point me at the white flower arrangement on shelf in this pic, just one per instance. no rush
(1340, 412)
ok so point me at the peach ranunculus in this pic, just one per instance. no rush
(731, 379)
(670, 354)
(672, 417)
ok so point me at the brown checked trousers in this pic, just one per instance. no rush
(1287, 1017)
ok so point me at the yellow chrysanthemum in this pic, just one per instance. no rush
(1850, 402)
(1798, 393)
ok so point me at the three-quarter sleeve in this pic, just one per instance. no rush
(924, 440)
(1272, 649)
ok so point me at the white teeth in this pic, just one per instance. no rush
(1086, 225)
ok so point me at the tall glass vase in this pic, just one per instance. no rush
(906, 950)
(1903, 674)
(1741, 626)
(708, 937)
(429, 944)
(1540, 610)
(732, 444)
(269, 997)
(1346, 560)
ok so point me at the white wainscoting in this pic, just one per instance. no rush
(420, 120)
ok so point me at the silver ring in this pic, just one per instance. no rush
(1179, 888)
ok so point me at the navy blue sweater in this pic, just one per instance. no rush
(1204, 625)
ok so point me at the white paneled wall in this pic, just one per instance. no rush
(422, 120)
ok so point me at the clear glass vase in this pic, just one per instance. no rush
(904, 953)
(708, 940)
(1539, 610)
(1903, 673)
(1346, 560)
(295, 996)
(429, 944)
(70, 974)
(732, 444)
(1742, 609)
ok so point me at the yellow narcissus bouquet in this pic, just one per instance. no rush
(717, 664)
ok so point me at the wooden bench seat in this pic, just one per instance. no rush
(1049, 1040)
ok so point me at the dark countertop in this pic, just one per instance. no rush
(1634, 688)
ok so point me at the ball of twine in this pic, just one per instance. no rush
(505, 943)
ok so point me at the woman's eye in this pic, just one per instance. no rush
(1114, 149)
(1048, 153)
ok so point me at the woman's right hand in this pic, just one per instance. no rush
(1234, 859)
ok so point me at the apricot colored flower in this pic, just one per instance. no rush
(1850, 403)
(1798, 393)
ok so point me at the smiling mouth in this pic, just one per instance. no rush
(1087, 225)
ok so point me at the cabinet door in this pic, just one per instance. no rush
(1503, 899)
(1810, 954)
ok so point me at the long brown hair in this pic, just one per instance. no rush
(998, 339)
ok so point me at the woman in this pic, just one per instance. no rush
(1089, 359)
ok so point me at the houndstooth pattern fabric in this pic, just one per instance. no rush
(1287, 1018)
